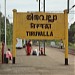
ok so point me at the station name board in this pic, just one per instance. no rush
(40, 25)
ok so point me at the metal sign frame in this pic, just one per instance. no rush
(40, 26)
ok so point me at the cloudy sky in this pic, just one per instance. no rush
(32, 5)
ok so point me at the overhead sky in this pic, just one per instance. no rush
(32, 5)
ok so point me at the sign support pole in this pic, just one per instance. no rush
(14, 36)
(66, 37)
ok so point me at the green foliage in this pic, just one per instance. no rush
(72, 33)
(72, 46)
(72, 27)
(8, 29)
(9, 33)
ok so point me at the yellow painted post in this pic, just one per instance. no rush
(14, 35)
(66, 36)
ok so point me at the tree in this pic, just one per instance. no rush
(9, 33)
(0, 25)
(72, 33)
(72, 27)
(8, 29)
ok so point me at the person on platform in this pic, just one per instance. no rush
(41, 51)
(29, 47)
(3, 52)
(8, 56)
